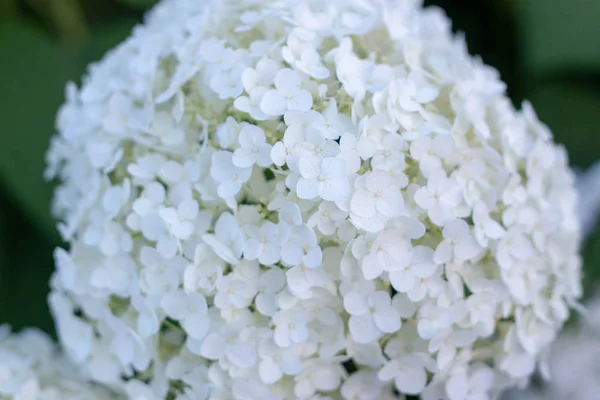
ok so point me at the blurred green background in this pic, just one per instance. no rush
(547, 51)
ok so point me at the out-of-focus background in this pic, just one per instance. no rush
(547, 51)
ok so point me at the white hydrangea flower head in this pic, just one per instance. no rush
(33, 368)
(304, 199)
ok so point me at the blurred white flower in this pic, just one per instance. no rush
(32, 367)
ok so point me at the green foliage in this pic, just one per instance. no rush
(572, 111)
(142, 4)
(25, 268)
(30, 93)
(559, 35)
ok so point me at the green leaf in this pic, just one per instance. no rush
(34, 73)
(25, 267)
(591, 263)
(143, 4)
(572, 112)
(559, 34)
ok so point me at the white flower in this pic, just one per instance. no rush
(473, 387)
(429, 152)
(302, 247)
(253, 150)
(270, 282)
(409, 280)
(228, 240)
(264, 243)
(229, 177)
(432, 320)
(323, 178)
(440, 197)
(275, 362)
(181, 220)
(458, 244)
(190, 309)
(377, 194)
(371, 315)
(310, 64)
(231, 342)
(287, 95)
(407, 372)
(234, 293)
(290, 328)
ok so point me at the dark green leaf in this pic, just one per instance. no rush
(34, 73)
(139, 3)
(559, 34)
(25, 269)
(573, 114)
(591, 263)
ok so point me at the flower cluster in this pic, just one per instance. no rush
(305, 199)
(31, 368)
(573, 362)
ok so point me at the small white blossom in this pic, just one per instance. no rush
(253, 150)
(287, 95)
(371, 315)
(323, 178)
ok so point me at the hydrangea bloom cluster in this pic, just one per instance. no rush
(574, 362)
(32, 368)
(305, 199)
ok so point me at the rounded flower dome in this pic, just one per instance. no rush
(307, 200)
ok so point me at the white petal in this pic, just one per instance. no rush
(402, 281)
(356, 303)
(278, 154)
(423, 198)
(443, 252)
(228, 189)
(313, 258)
(308, 188)
(363, 204)
(291, 254)
(242, 355)
(335, 190)
(302, 101)
(269, 371)
(466, 249)
(213, 346)
(363, 329)
(457, 387)
(196, 325)
(266, 303)
(175, 304)
(411, 380)
(287, 80)
(243, 158)
(290, 364)
(391, 204)
(273, 103)
(388, 320)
